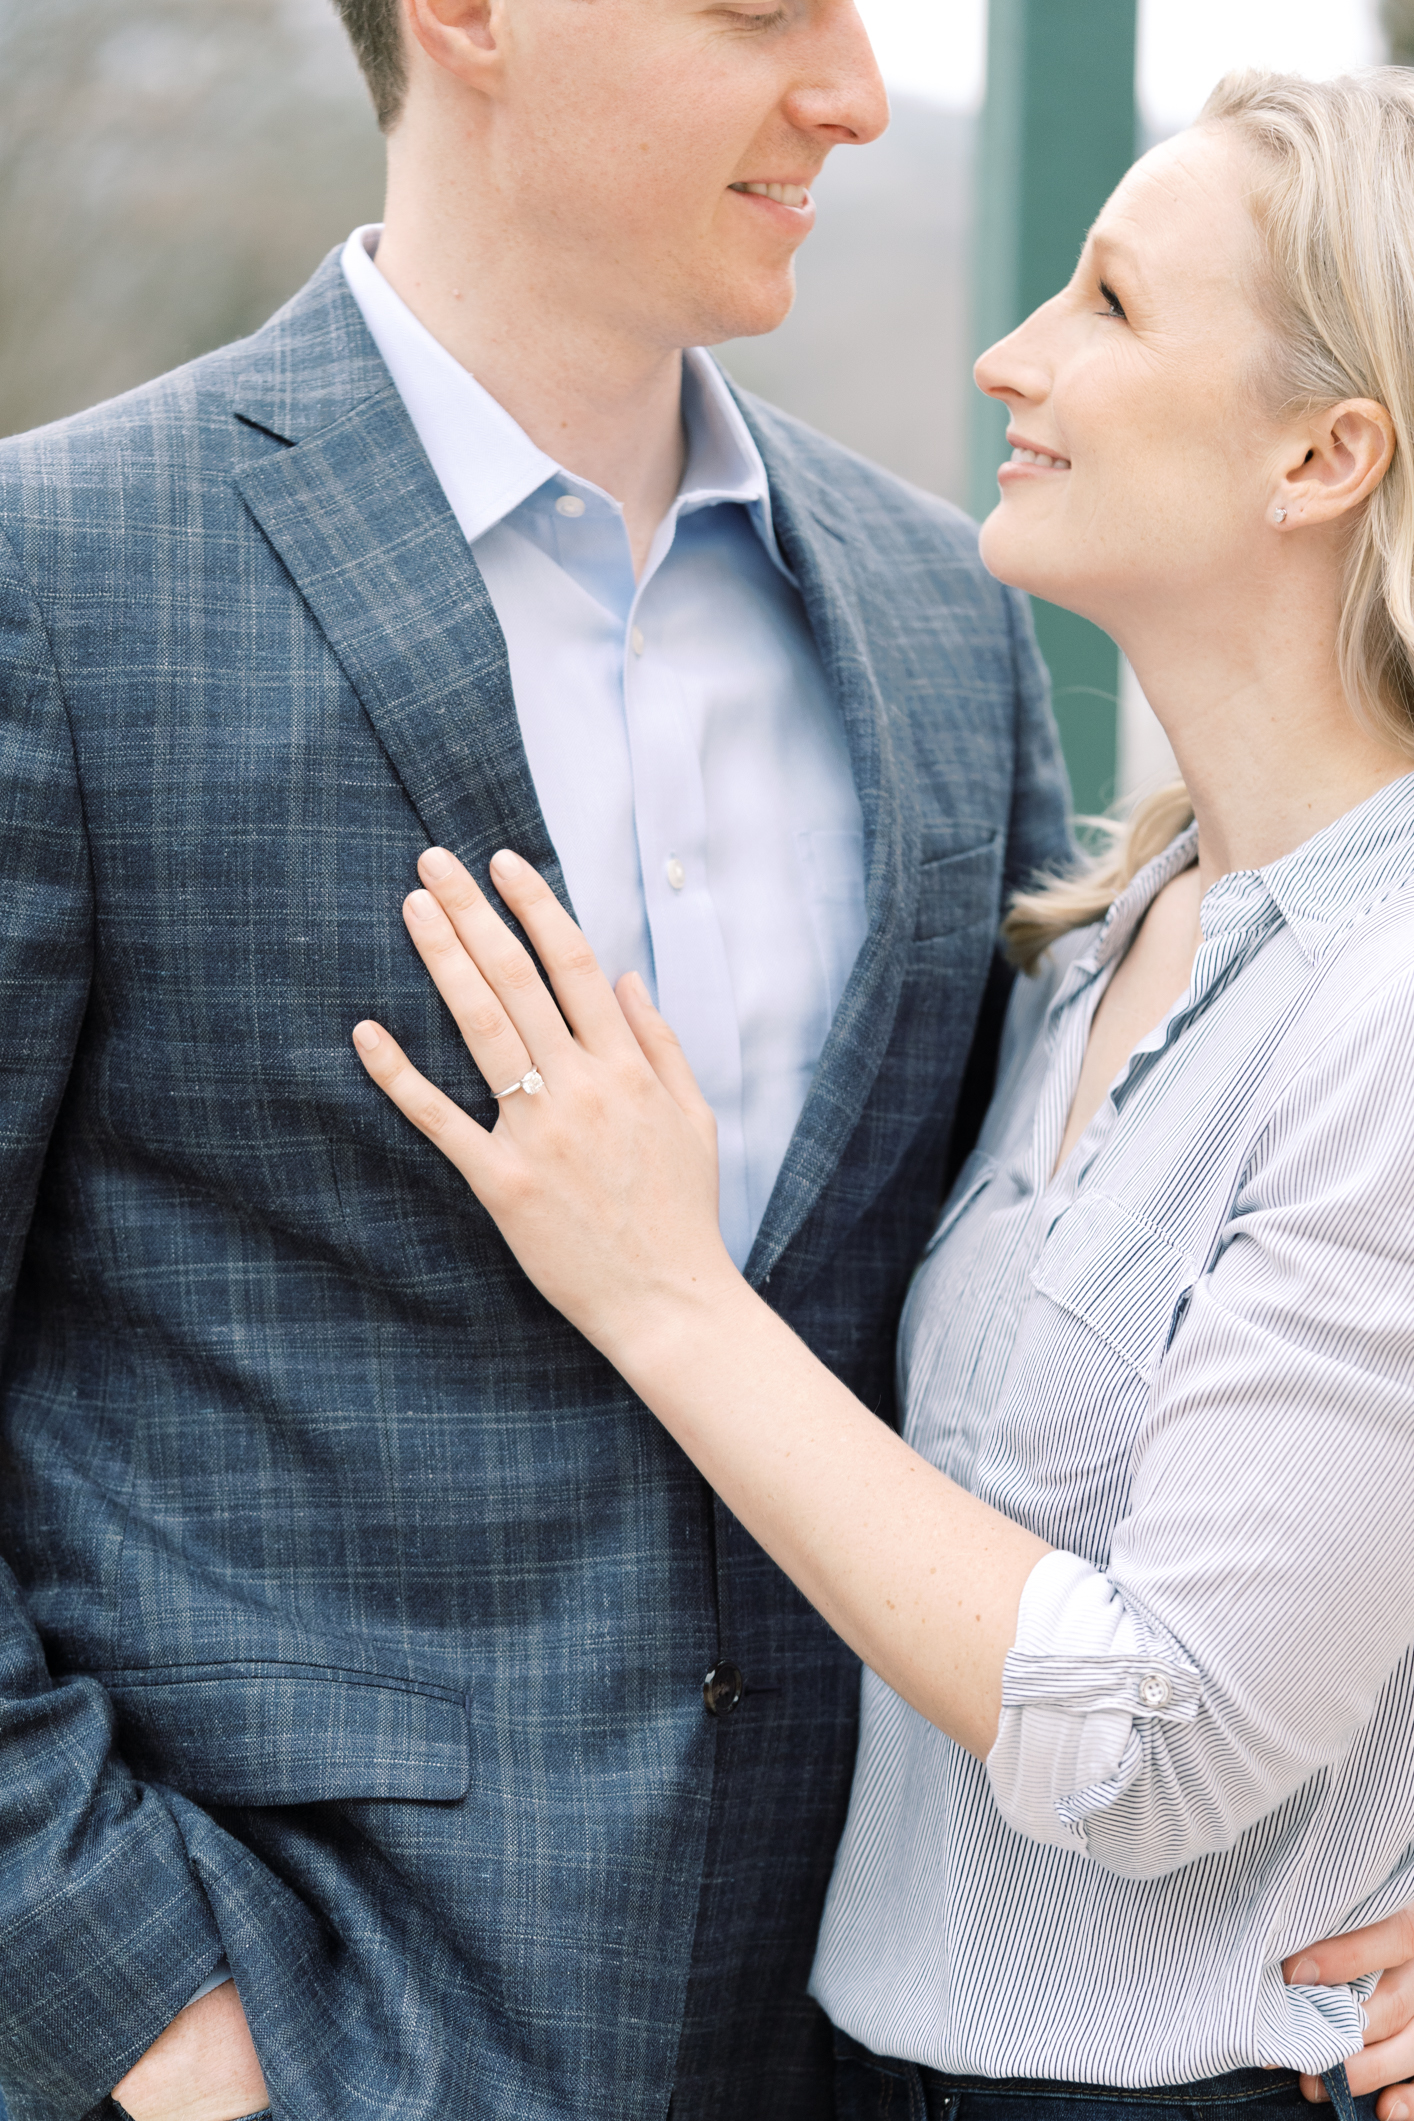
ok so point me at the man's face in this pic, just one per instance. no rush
(627, 132)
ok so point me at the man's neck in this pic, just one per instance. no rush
(603, 405)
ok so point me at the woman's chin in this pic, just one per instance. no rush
(1015, 561)
(1006, 556)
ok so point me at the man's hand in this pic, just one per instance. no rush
(203, 2068)
(1388, 2058)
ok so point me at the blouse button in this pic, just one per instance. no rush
(1155, 1692)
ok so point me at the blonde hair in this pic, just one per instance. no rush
(1334, 205)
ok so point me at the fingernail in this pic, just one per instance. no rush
(1305, 1974)
(421, 905)
(640, 987)
(366, 1035)
(436, 863)
(506, 864)
(1398, 2111)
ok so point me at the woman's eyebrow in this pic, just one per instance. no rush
(1115, 250)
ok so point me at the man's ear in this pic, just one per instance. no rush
(1347, 451)
(460, 36)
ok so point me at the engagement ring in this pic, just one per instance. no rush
(530, 1082)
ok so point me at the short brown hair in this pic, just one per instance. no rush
(376, 35)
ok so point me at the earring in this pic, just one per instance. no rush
(1281, 515)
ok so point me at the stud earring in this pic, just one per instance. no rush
(1281, 515)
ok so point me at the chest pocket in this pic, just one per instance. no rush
(959, 886)
(1119, 1275)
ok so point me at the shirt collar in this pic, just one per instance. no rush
(1337, 876)
(487, 465)
(1319, 890)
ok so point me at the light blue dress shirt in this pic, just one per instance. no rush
(687, 752)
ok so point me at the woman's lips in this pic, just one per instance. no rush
(1027, 463)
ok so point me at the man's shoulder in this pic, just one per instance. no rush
(102, 439)
(169, 430)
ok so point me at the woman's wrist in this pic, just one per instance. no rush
(660, 1335)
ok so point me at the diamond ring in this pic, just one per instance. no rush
(530, 1082)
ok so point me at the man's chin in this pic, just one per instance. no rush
(748, 311)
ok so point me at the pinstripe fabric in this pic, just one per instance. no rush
(1187, 1360)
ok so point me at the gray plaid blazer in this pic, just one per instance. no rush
(353, 1614)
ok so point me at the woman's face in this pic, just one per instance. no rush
(1140, 381)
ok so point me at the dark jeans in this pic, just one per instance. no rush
(871, 2087)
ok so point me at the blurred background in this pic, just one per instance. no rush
(171, 170)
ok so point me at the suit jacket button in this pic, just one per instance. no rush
(722, 1689)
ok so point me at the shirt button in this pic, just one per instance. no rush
(722, 1689)
(677, 875)
(1155, 1691)
(636, 640)
(569, 504)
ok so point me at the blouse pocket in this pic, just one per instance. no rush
(1119, 1275)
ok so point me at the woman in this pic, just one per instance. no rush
(1131, 1589)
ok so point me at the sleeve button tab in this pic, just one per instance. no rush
(1155, 1691)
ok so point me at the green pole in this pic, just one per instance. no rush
(1058, 133)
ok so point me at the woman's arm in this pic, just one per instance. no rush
(604, 1185)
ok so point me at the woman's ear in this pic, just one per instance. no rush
(460, 36)
(1347, 452)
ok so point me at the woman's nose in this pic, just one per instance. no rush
(1017, 367)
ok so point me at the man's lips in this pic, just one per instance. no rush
(795, 196)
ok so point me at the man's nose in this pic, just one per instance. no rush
(842, 93)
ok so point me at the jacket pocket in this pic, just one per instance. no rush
(1119, 1275)
(265, 1733)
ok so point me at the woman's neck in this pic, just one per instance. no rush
(1259, 723)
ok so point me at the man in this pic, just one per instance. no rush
(355, 1752)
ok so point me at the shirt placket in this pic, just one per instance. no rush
(691, 969)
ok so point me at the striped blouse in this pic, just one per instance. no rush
(1186, 1361)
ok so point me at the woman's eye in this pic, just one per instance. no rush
(773, 20)
(1113, 305)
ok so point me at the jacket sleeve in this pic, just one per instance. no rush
(104, 1929)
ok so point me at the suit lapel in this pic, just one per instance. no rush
(881, 753)
(359, 520)
(356, 514)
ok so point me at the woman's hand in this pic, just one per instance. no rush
(604, 1182)
(1388, 2055)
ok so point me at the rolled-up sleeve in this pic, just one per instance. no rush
(1083, 1673)
(1256, 1601)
